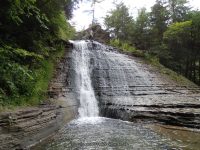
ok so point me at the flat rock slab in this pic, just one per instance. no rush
(129, 89)
(24, 127)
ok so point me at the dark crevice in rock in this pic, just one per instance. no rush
(170, 118)
(160, 106)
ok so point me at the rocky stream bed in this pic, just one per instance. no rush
(126, 88)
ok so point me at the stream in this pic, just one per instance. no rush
(106, 134)
(90, 131)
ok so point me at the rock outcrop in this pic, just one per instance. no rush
(125, 87)
(99, 34)
(129, 89)
(23, 128)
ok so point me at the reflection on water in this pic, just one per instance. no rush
(186, 139)
(107, 134)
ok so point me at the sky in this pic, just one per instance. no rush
(82, 17)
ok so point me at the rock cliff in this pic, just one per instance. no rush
(24, 127)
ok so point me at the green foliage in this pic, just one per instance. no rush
(142, 30)
(177, 30)
(119, 22)
(178, 38)
(21, 9)
(115, 43)
(159, 16)
(126, 47)
(182, 40)
(178, 10)
(43, 75)
(65, 30)
(32, 35)
(170, 32)
(122, 45)
(15, 76)
(142, 20)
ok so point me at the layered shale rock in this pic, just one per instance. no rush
(23, 128)
(129, 89)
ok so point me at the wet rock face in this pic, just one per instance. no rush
(61, 85)
(128, 89)
(23, 128)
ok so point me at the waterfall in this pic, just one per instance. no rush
(113, 77)
(88, 103)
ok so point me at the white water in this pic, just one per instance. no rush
(93, 132)
(88, 103)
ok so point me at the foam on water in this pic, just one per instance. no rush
(88, 103)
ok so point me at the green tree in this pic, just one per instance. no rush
(159, 17)
(119, 22)
(178, 10)
(178, 39)
(142, 30)
(32, 32)
(195, 17)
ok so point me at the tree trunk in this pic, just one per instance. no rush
(199, 71)
(187, 67)
(190, 70)
(194, 69)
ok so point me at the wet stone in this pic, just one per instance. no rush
(122, 80)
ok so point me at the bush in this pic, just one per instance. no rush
(31, 39)
(124, 46)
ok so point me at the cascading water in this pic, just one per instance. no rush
(109, 72)
(88, 103)
(114, 77)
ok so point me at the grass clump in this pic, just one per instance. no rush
(126, 47)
